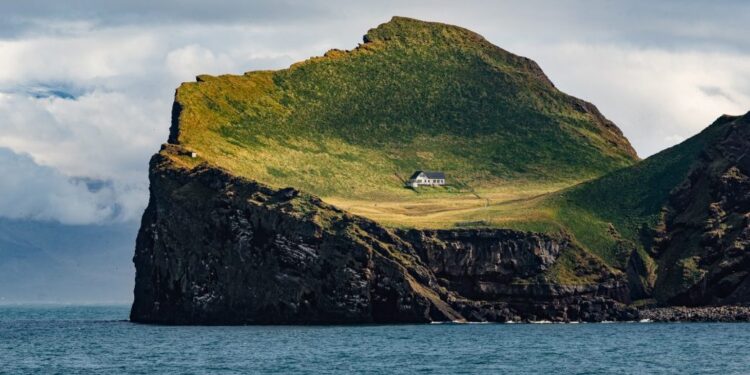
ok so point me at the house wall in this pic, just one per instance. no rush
(427, 181)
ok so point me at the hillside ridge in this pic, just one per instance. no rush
(414, 95)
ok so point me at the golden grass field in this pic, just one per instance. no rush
(436, 207)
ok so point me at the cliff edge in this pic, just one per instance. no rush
(214, 248)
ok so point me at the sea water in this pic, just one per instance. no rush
(99, 339)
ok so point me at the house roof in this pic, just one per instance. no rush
(430, 175)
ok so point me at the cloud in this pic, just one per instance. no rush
(100, 136)
(95, 56)
(717, 91)
(656, 96)
(49, 17)
(185, 61)
(105, 135)
(31, 191)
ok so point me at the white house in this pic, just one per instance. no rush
(424, 178)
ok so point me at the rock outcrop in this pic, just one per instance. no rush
(218, 249)
(730, 313)
(703, 247)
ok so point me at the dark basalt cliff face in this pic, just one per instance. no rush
(703, 244)
(217, 249)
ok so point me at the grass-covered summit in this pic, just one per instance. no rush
(414, 96)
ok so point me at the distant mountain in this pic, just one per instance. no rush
(51, 262)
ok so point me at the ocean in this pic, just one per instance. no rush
(100, 340)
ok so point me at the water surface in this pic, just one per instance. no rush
(98, 339)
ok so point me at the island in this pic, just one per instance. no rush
(285, 197)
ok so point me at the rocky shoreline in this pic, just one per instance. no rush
(732, 313)
(673, 314)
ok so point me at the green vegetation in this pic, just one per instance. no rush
(416, 95)
(518, 153)
(620, 211)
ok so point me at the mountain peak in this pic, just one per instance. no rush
(417, 95)
(411, 29)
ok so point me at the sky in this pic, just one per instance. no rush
(86, 86)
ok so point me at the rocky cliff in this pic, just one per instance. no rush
(218, 249)
(704, 237)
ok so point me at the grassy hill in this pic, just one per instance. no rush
(350, 125)
(618, 213)
(632, 199)
(518, 153)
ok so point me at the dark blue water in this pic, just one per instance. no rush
(86, 339)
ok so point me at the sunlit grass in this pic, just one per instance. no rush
(416, 96)
(351, 126)
(439, 207)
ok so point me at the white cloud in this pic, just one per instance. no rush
(184, 62)
(100, 135)
(91, 56)
(658, 97)
(30, 191)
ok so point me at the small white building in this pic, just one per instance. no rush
(424, 178)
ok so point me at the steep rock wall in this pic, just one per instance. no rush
(702, 248)
(217, 249)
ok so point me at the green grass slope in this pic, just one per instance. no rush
(415, 95)
(622, 210)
